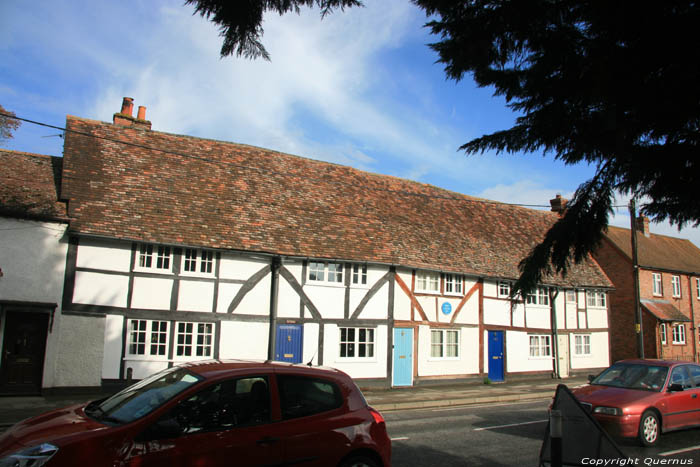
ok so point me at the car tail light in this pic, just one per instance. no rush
(377, 416)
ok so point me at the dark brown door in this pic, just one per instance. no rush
(24, 343)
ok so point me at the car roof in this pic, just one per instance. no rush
(655, 362)
(216, 368)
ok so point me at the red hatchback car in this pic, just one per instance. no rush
(643, 398)
(211, 413)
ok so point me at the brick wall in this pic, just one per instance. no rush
(623, 340)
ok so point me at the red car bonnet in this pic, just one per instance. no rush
(611, 396)
(48, 427)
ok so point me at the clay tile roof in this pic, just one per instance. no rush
(29, 186)
(215, 194)
(663, 310)
(658, 251)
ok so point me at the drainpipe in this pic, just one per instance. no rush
(555, 335)
(274, 290)
(693, 325)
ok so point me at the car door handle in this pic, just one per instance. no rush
(267, 440)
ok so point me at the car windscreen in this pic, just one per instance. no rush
(143, 397)
(633, 376)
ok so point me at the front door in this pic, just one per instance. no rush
(24, 342)
(288, 345)
(563, 351)
(496, 356)
(403, 357)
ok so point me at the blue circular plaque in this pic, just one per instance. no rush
(446, 308)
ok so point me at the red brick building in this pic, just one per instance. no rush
(669, 290)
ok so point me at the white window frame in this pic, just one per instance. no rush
(662, 331)
(678, 332)
(571, 296)
(676, 284)
(325, 272)
(198, 262)
(697, 287)
(657, 284)
(540, 346)
(152, 335)
(427, 282)
(595, 298)
(359, 274)
(504, 288)
(443, 346)
(539, 297)
(200, 344)
(454, 284)
(582, 345)
(154, 258)
(353, 343)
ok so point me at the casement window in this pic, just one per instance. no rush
(571, 296)
(444, 343)
(656, 280)
(503, 289)
(198, 261)
(154, 257)
(453, 284)
(193, 339)
(662, 332)
(540, 345)
(147, 337)
(676, 283)
(582, 345)
(427, 281)
(679, 334)
(697, 287)
(538, 297)
(359, 274)
(595, 298)
(357, 342)
(325, 272)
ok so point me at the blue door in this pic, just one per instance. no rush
(496, 356)
(288, 344)
(403, 357)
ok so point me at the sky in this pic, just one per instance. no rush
(358, 88)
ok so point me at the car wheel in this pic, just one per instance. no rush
(359, 461)
(649, 429)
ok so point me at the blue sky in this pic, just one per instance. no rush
(358, 88)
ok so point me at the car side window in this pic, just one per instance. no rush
(301, 396)
(222, 406)
(695, 375)
(680, 376)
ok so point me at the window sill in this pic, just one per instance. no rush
(332, 285)
(356, 360)
(444, 359)
(164, 272)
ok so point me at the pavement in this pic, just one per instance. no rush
(16, 408)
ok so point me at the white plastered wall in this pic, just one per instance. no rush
(467, 363)
(33, 261)
(244, 340)
(357, 368)
(80, 360)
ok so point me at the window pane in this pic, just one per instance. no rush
(301, 397)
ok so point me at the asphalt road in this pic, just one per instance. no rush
(505, 435)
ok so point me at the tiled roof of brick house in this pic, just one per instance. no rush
(658, 251)
(29, 185)
(182, 190)
(664, 310)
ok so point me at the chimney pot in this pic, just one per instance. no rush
(142, 113)
(127, 106)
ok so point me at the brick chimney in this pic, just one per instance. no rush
(558, 204)
(125, 116)
(643, 225)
